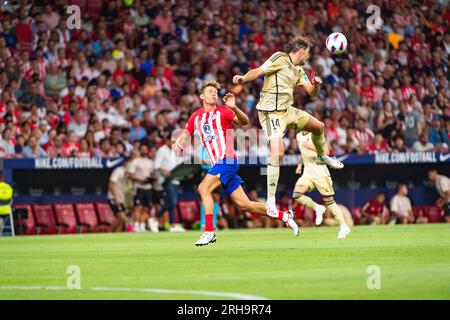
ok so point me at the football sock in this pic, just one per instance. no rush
(319, 143)
(273, 173)
(209, 223)
(304, 200)
(283, 216)
(336, 211)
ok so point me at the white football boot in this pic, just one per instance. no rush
(290, 223)
(320, 210)
(343, 232)
(206, 238)
(329, 161)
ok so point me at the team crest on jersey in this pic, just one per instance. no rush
(207, 128)
(214, 116)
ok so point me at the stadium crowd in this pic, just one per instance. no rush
(130, 74)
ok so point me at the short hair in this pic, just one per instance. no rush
(298, 43)
(209, 83)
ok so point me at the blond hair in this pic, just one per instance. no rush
(209, 83)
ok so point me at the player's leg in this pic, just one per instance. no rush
(273, 172)
(274, 126)
(207, 186)
(316, 127)
(238, 196)
(303, 186)
(337, 213)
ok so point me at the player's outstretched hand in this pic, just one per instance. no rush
(316, 81)
(230, 100)
(176, 146)
(238, 79)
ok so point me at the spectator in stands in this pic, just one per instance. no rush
(442, 184)
(33, 149)
(375, 211)
(401, 209)
(438, 136)
(423, 144)
(7, 146)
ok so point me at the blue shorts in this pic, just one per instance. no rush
(226, 170)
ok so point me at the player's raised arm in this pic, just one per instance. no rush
(273, 64)
(187, 133)
(312, 88)
(249, 76)
(240, 117)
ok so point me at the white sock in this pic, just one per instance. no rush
(142, 226)
(136, 226)
(271, 202)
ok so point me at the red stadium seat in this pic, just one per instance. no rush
(105, 215)
(44, 219)
(94, 8)
(356, 215)
(25, 226)
(86, 216)
(65, 218)
(434, 214)
(417, 212)
(189, 212)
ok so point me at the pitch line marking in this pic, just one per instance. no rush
(238, 296)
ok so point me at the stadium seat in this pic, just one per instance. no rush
(105, 215)
(356, 215)
(25, 226)
(44, 219)
(189, 212)
(87, 219)
(65, 218)
(434, 214)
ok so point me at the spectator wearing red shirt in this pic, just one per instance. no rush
(363, 135)
(375, 211)
(378, 144)
(72, 146)
(71, 95)
(367, 90)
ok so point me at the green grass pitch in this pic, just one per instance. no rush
(414, 263)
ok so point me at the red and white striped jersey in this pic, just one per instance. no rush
(214, 128)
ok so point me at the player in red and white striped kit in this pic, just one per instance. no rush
(214, 124)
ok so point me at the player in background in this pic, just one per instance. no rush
(116, 194)
(214, 124)
(318, 177)
(283, 72)
(142, 172)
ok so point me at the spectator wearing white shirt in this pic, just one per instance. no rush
(165, 161)
(6, 143)
(442, 184)
(423, 145)
(401, 209)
